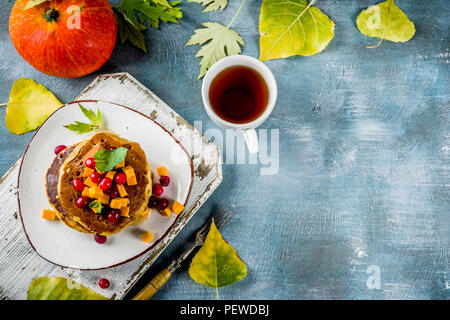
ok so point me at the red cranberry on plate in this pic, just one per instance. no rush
(157, 189)
(113, 216)
(164, 180)
(82, 202)
(113, 192)
(90, 163)
(78, 185)
(59, 148)
(153, 202)
(120, 178)
(163, 203)
(105, 184)
(96, 177)
(100, 239)
(103, 283)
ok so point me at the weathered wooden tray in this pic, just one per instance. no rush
(19, 264)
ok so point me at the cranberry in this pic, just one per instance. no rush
(164, 180)
(105, 184)
(114, 216)
(82, 202)
(59, 148)
(153, 202)
(157, 189)
(78, 185)
(113, 192)
(103, 283)
(163, 203)
(96, 177)
(100, 239)
(111, 148)
(90, 163)
(120, 178)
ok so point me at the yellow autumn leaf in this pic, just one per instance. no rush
(29, 105)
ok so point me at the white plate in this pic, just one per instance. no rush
(61, 245)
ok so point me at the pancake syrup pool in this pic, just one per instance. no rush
(239, 94)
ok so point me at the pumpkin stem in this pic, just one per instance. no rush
(51, 15)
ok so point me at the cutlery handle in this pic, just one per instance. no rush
(153, 286)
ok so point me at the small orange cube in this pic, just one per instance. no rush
(124, 202)
(103, 199)
(116, 203)
(166, 212)
(147, 236)
(110, 174)
(86, 192)
(122, 190)
(125, 212)
(177, 207)
(131, 176)
(89, 182)
(49, 214)
(162, 171)
(120, 165)
(87, 172)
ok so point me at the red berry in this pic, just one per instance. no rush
(157, 189)
(82, 202)
(90, 163)
(113, 192)
(164, 180)
(96, 177)
(163, 203)
(106, 183)
(100, 239)
(78, 185)
(114, 216)
(103, 283)
(111, 148)
(120, 178)
(59, 148)
(153, 202)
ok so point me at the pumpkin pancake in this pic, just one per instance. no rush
(73, 167)
(51, 186)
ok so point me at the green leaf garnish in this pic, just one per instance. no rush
(292, 28)
(45, 288)
(82, 127)
(96, 205)
(106, 160)
(217, 264)
(385, 21)
(212, 5)
(217, 41)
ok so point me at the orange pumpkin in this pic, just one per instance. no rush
(64, 38)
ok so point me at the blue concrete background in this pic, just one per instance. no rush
(364, 156)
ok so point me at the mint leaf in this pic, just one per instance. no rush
(106, 160)
(96, 205)
(82, 127)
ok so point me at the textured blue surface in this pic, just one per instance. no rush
(364, 156)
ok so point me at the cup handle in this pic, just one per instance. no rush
(251, 139)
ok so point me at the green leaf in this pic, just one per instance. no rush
(96, 205)
(82, 127)
(217, 42)
(33, 3)
(45, 288)
(217, 264)
(150, 11)
(385, 21)
(293, 27)
(212, 5)
(29, 105)
(128, 32)
(106, 160)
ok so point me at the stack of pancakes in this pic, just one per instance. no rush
(70, 163)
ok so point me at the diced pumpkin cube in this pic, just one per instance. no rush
(86, 192)
(103, 198)
(124, 202)
(120, 165)
(89, 182)
(166, 212)
(122, 190)
(177, 207)
(115, 203)
(87, 172)
(131, 176)
(125, 212)
(49, 214)
(147, 236)
(110, 174)
(162, 171)
(96, 192)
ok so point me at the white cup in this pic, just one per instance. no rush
(248, 129)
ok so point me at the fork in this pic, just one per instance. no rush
(223, 217)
